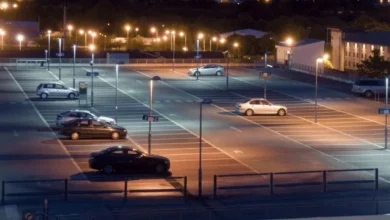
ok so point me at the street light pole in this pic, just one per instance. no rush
(48, 51)
(173, 51)
(116, 92)
(200, 152)
(59, 55)
(155, 78)
(150, 114)
(227, 71)
(92, 76)
(386, 106)
(197, 59)
(207, 102)
(315, 96)
(74, 66)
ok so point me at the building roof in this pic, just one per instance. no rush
(300, 43)
(245, 32)
(374, 37)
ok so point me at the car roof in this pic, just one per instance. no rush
(122, 147)
(79, 110)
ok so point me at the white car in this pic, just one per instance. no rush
(209, 69)
(80, 114)
(260, 107)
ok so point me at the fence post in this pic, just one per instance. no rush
(66, 190)
(324, 180)
(215, 187)
(125, 191)
(376, 179)
(185, 187)
(271, 183)
(2, 192)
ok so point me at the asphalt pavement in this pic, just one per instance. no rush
(231, 143)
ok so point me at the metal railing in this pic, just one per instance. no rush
(65, 191)
(272, 184)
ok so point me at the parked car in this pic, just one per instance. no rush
(369, 87)
(119, 159)
(209, 69)
(56, 90)
(80, 114)
(92, 128)
(260, 106)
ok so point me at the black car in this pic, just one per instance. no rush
(92, 128)
(122, 159)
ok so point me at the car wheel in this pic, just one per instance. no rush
(249, 112)
(160, 168)
(115, 136)
(71, 96)
(218, 73)
(44, 96)
(197, 74)
(368, 94)
(74, 136)
(108, 169)
(281, 112)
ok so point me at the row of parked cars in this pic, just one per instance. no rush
(77, 124)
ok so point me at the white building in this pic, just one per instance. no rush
(303, 54)
(349, 48)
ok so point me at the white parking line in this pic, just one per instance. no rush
(231, 157)
(47, 125)
(186, 154)
(235, 128)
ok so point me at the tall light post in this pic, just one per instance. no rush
(92, 49)
(59, 55)
(2, 33)
(204, 102)
(82, 32)
(70, 28)
(74, 65)
(182, 34)
(236, 45)
(289, 41)
(116, 91)
(93, 34)
(215, 39)
(318, 60)
(48, 49)
(154, 31)
(127, 28)
(200, 36)
(173, 34)
(386, 106)
(155, 78)
(20, 38)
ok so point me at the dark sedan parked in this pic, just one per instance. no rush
(92, 128)
(122, 159)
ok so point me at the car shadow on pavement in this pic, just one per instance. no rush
(51, 99)
(97, 176)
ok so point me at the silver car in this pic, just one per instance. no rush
(369, 87)
(56, 90)
(261, 107)
(209, 69)
(80, 114)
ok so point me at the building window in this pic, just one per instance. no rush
(372, 47)
(353, 54)
(349, 63)
(381, 51)
(362, 55)
(349, 53)
(364, 47)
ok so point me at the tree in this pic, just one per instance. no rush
(374, 67)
